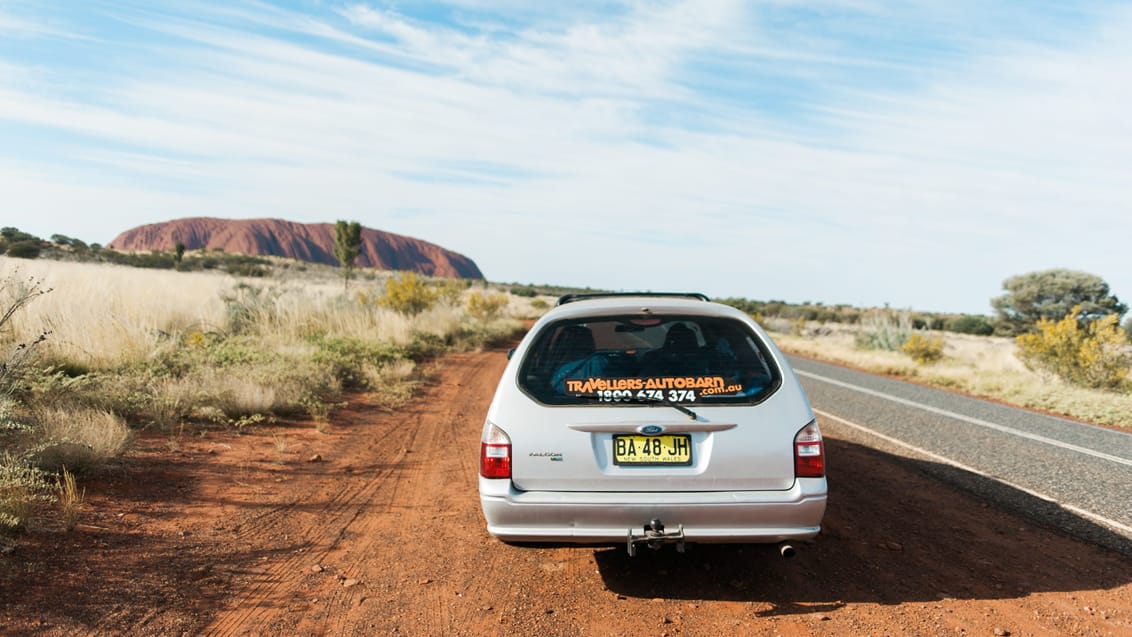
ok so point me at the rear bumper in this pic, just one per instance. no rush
(717, 516)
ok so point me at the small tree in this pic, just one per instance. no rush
(971, 324)
(1050, 295)
(347, 245)
(178, 252)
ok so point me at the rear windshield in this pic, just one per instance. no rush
(636, 359)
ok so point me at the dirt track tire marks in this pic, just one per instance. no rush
(228, 543)
(394, 517)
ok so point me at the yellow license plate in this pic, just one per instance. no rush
(652, 450)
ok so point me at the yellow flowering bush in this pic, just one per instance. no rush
(409, 294)
(925, 350)
(484, 306)
(1095, 355)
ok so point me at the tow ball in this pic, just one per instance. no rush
(654, 536)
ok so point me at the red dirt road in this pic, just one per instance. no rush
(381, 534)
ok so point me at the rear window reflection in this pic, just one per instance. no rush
(629, 360)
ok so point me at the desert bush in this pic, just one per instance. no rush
(539, 304)
(248, 305)
(22, 489)
(450, 291)
(971, 324)
(925, 350)
(22, 486)
(395, 381)
(24, 249)
(481, 334)
(486, 306)
(886, 331)
(353, 360)
(408, 293)
(1093, 355)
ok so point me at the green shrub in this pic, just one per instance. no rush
(425, 346)
(971, 324)
(923, 349)
(408, 293)
(1093, 355)
(27, 249)
(351, 359)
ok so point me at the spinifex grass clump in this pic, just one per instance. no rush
(885, 331)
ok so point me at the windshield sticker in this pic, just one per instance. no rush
(659, 388)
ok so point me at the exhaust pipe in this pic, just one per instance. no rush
(786, 550)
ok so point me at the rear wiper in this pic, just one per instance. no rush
(642, 400)
(671, 403)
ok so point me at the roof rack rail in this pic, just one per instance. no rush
(570, 298)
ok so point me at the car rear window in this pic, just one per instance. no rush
(635, 359)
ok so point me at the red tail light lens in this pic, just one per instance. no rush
(495, 453)
(809, 453)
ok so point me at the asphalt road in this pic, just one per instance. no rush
(1062, 474)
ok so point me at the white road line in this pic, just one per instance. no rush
(968, 419)
(1112, 524)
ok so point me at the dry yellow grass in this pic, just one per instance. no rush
(79, 439)
(70, 498)
(248, 344)
(979, 365)
(166, 349)
(105, 315)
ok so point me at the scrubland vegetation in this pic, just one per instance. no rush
(92, 353)
(1055, 345)
(992, 367)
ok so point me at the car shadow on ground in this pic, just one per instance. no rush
(896, 530)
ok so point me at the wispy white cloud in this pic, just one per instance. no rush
(762, 150)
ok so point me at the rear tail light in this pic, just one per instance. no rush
(495, 453)
(809, 453)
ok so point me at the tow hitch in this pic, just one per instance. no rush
(654, 536)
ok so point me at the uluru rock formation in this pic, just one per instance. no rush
(312, 242)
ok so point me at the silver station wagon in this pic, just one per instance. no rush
(650, 419)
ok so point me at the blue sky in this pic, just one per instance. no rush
(843, 151)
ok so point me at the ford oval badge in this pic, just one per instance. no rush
(651, 430)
